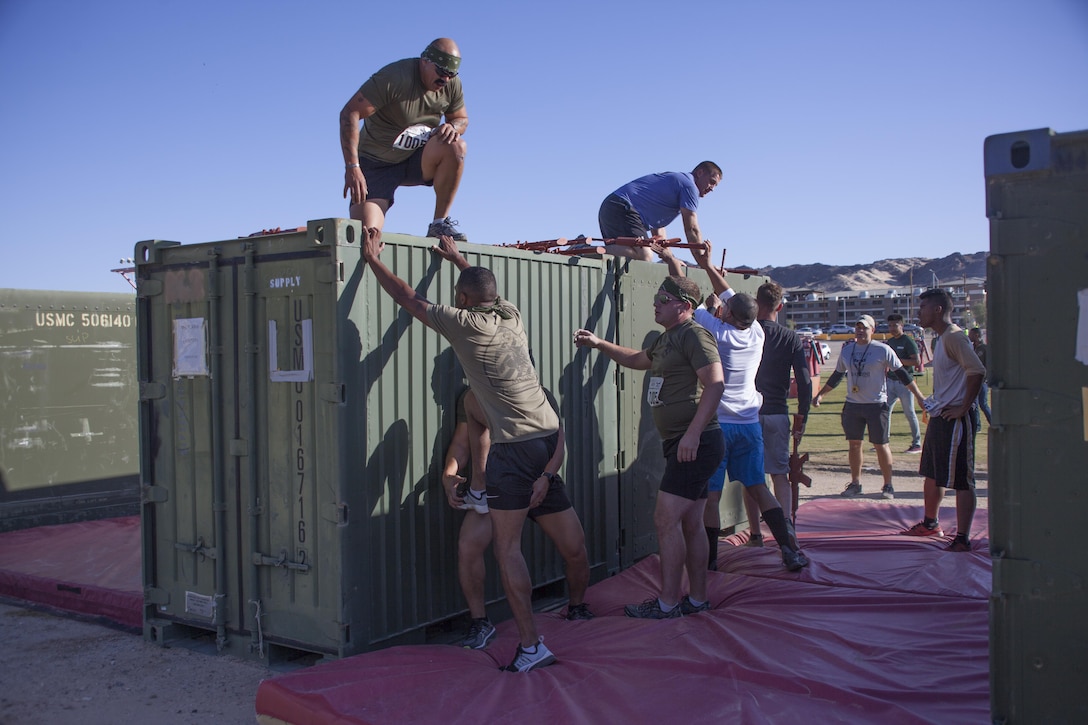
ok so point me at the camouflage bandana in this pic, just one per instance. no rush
(496, 308)
(443, 60)
(674, 289)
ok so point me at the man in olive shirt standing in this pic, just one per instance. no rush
(414, 117)
(685, 385)
(907, 351)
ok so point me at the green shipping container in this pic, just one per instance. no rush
(1037, 203)
(294, 421)
(68, 439)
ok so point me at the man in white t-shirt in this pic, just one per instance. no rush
(730, 318)
(865, 364)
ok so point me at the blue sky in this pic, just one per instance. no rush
(848, 131)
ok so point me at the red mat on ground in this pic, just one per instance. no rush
(90, 567)
(880, 628)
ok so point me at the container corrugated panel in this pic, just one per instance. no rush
(641, 461)
(291, 464)
(1036, 192)
(68, 440)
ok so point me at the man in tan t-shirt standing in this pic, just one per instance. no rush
(487, 336)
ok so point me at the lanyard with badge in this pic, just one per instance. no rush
(859, 365)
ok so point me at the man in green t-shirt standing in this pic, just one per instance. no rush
(685, 385)
(906, 349)
(414, 117)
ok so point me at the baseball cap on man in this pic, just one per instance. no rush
(866, 320)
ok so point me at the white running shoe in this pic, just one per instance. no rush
(475, 501)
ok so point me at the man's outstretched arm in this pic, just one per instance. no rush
(401, 292)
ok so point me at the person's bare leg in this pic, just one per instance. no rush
(371, 212)
(443, 164)
(854, 457)
(516, 583)
(884, 458)
(471, 543)
(672, 547)
(565, 531)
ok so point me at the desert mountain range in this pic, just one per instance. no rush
(881, 275)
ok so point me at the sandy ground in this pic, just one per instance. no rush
(58, 670)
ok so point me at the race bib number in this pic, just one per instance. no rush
(653, 394)
(413, 137)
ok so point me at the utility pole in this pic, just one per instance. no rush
(910, 295)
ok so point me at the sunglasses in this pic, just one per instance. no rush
(664, 298)
(443, 71)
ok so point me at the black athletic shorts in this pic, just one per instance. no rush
(383, 178)
(513, 468)
(689, 480)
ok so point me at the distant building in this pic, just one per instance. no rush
(813, 308)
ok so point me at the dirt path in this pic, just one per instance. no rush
(57, 671)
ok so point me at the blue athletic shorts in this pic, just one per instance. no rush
(743, 455)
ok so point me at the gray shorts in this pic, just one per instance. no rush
(877, 416)
(618, 219)
(776, 443)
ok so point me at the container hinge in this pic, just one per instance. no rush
(260, 559)
(333, 392)
(152, 390)
(331, 273)
(239, 447)
(336, 513)
(1034, 579)
(154, 494)
(1013, 406)
(149, 288)
(199, 548)
(157, 596)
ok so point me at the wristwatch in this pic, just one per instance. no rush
(550, 476)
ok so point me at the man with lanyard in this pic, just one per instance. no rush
(865, 364)
(555, 516)
(645, 206)
(907, 351)
(489, 340)
(685, 386)
(415, 118)
(948, 455)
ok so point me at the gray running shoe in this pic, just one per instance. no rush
(524, 660)
(852, 489)
(687, 608)
(651, 609)
(578, 612)
(479, 634)
(888, 491)
(446, 228)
